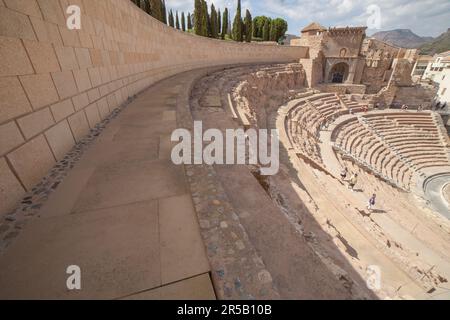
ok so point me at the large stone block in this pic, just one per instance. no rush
(40, 90)
(60, 139)
(15, 25)
(79, 125)
(82, 80)
(46, 31)
(42, 56)
(103, 108)
(36, 122)
(67, 58)
(32, 161)
(14, 60)
(11, 191)
(83, 57)
(13, 101)
(92, 115)
(52, 11)
(93, 95)
(10, 137)
(62, 109)
(94, 74)
(69, 37)
(65, 84)
(28, 7)
(80, 101)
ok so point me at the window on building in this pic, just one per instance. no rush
(443, 91)
(440, 69)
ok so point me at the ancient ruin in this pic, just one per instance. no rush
(87, 179)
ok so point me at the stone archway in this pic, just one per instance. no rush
(338, 73)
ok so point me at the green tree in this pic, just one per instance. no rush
(213, 22)
(177, 23)
(198, 17)
(219, 23)
(278, 29)
(248, 26)
(266, 31)
(155, 8)
(171, 21)
(183, 22)
(206, 21)
(224, 24)
(237, 24)
(189, 21)
(164, 11)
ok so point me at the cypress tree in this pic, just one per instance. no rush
(230, 35)
(224, 24)
(198, 17)
(163, 11)
(266, 31)
(189, 21)
(213, 22)
(206, 22)
(248, 26)
(219, 23)
(237, 24)
(177, 23)
(183, 22)
(171, 22)
(155, 8)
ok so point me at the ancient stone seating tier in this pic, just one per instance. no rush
(394, 146)
(309, 115)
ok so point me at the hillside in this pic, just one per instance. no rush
(438, 45)
(404, 38)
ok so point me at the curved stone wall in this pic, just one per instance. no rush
(56, 84)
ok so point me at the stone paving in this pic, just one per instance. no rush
(116, 207)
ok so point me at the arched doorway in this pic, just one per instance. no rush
(339, 73)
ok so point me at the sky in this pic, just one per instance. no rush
(423, 17)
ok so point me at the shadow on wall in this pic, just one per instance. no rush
(56, 84)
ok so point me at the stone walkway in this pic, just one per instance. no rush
(123, 214)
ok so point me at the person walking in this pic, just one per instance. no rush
(353, 181)
(372, 201)
(344, 173)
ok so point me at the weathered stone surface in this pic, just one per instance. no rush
(36, 122)
(60, 139)
(40, 90)
(32, 161)
(42, 56)
(10, 137)
(13, 101)
(10, 189)
(14, 59)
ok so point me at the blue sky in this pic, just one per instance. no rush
(424, 17)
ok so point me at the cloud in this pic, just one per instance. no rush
(424, 17)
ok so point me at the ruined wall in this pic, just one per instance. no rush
(56, 84)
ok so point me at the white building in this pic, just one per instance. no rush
(435, 68)
(421, 66)
(443, 95)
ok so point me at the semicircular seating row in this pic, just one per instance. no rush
(394, 145)
(311, 113)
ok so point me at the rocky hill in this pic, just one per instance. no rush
(438, 45)
(404, 38)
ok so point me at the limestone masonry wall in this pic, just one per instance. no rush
(56, 84)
